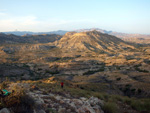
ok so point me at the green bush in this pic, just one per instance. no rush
(118, 78)
(106, 97)
(141, 105)
(127, 100)
(139, 91)
(116, 98)
(98, 95)
(50, 110)
(128, 86)
(110, 107)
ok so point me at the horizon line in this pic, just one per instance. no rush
(74, 30)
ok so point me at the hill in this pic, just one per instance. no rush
(92, 41)
(90, 63)
(14, 39)
(136, 38)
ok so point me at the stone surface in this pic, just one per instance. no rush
(63, 104)
(61, 110)
(4, 110)
(39, 111)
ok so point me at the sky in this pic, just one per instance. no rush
(126, 16)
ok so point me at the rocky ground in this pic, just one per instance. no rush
(67, 104)
(46, 96)
(59, 103)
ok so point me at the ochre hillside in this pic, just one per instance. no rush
(92, 41)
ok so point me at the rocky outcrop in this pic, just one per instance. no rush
(4, 110)
(66, 104)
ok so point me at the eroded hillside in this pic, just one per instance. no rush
(92, 41)
(92, 61)
(98, 58)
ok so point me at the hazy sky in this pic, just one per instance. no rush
(129, 16)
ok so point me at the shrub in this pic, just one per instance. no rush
(127, 100)
(110, 107)
(98, 95)
(52, 72)
(39, 69)
(141, 105)
(118, 79)
(4, 85)
(45, 92)
(139, 91)
(89, 73)
(50, 110)
(116, 98)
(128, 86)
(136, 105)
(94, 71)
(106, 96)
(19, 102)
(133, 91)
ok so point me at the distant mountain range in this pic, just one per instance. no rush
(22, 33)
(62, 32)
(13, 39)
(85, 41)
(136, 38)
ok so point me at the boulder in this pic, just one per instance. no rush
(83, 98)
(26, 76)
(61, 110)
(98, 109)
(40, 101)
(58, 97)
(4, 110)
(77, 102)
(87, 109)
(39, 111)
(94, 101)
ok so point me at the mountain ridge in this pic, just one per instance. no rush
(21, 33)
(91, 41)
(14, 39)
(129, 37)
(62, 32)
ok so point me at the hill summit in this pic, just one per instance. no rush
(92, 41)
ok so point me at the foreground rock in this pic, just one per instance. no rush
(65, 104)
(4, 110)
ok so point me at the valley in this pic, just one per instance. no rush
(91, 61)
